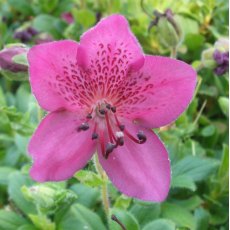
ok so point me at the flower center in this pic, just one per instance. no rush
(108, 130)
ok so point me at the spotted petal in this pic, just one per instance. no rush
(55, 78)
(110, 51)
(58, 149)
(158, 93)
(140, 170)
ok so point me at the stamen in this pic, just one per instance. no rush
(84, 126)
(94, 136)
(120, 138)
(109, 148)
(110, 131)
(122, 127)
(89, 116)
(102, 111)
(142, 137)
(113, 109)
(102, 144)
(108, 106)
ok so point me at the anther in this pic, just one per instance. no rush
(94, 136)
(102, 111)
(120, 138)
(109, 148)
(122, 127)
(84, 126)
(113, 109)
(142, 137)
(108, 106)
(89, 116)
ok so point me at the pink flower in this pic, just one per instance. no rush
(104, 94)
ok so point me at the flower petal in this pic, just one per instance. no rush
(158, 93)
(55, 77)
(140, 170)
(58, 149)
(110, 50)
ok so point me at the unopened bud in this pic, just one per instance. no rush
(13, 62)
(207, 58)
(168, 28)
(7, 59)
(217, 57)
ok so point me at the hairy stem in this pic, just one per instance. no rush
(104, 188)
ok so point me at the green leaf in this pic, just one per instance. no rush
(19, 76)
(183, 181)
(49, 24)
(10, 220)
(89, 178)
(202, 219)
(42, 222)
(2, 98)
(84, 17)
(181, 216)
(208, 131)
(16, 181)
(48, 7)
(79, 217)
(224, 166)
(224, 105)
(22, 6)
(145, 211)
(160, 224)
(194, 41)
(87, 196)
(4, 174)
(125, 217)
(122, 202)
(195, 167)
(27, 227)
(190, 203)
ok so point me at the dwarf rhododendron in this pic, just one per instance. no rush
(104, 94)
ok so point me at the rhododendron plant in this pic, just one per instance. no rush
(103, 94)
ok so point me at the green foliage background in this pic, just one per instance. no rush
(197, 141)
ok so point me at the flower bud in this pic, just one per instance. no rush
(42, 195)
(48, 197)
(7, 62)
(168, 29)
(13, 62)
(217, 58)
(207, 58)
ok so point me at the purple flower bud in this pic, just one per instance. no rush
(6, 62)
(32, 31)
(23, 36)
(218, 57)
(226, 57)
(220, 70)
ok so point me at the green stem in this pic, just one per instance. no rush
(200, 113)
(144, 10)
(173, 52)
(104, 188)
